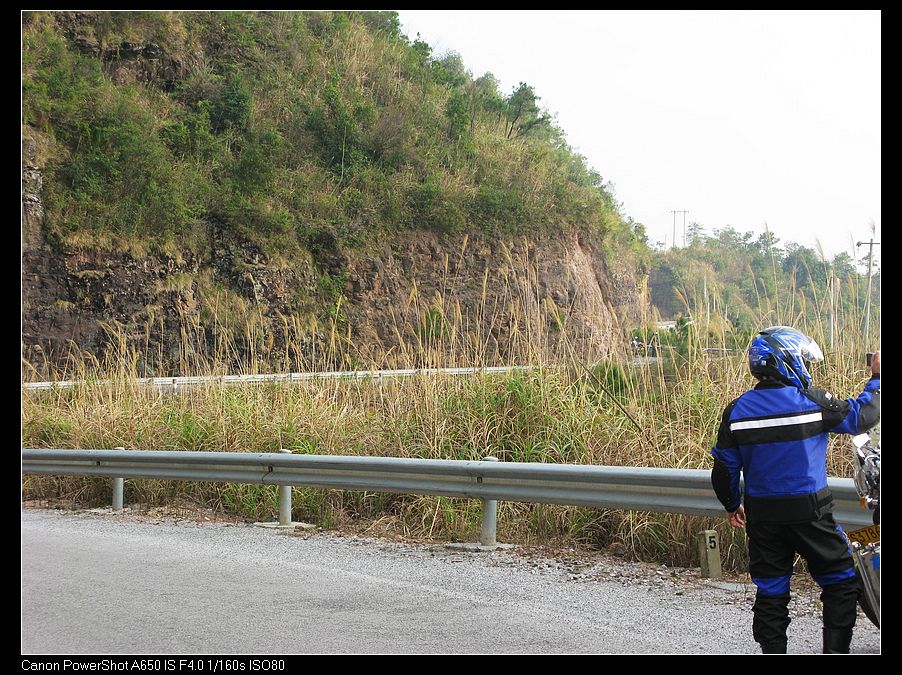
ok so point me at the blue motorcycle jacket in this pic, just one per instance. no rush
(776, 436)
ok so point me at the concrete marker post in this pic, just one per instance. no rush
(709, 554)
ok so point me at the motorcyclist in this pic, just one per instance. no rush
(776, 435)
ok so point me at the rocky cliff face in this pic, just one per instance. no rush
(472, 297)
(482, 299)
(505, 294)
(32, 199)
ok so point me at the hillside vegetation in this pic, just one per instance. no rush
(290, 129)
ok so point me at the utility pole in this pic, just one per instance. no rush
(831, 287)
(674, 212)
(673, 241)
(867, 303)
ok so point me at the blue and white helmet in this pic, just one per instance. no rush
(784, 354)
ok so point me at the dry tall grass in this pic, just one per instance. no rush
(666, 415)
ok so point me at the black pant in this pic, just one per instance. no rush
(772, 549)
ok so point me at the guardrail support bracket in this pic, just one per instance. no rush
(285, 521)
(488, 537)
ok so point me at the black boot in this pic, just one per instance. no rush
(778, 647)
(837, 640)
(770, 622)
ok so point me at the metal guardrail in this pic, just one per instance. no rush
(375, 375)
(685, 491)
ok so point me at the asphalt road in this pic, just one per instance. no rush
(111, 584)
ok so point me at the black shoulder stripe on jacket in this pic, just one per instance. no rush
(834, 409)
(797, 431)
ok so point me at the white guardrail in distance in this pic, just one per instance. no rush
(375, 375)
(685, 491)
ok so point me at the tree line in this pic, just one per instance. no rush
(744, 280)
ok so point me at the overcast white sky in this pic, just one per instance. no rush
(741, 118)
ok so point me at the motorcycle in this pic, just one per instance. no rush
(865, 542)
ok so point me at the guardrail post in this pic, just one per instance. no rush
(118, 491)
(709, 554)
(285, 521)
(285, 500)
(489, 517)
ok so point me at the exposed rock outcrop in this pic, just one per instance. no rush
(32, 199)
(488, 299)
